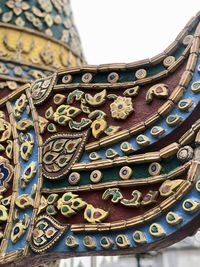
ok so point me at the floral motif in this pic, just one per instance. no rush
(18, 6)
(121, 108)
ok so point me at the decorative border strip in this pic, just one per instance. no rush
(138, 182)
(142, 158)
(39, 184)
(9, 224)
(40, 34)
(147, 216)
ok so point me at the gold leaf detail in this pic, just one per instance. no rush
(96, 100)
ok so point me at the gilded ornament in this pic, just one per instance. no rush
(47, 54)
(3, 213)
(98, 114)
(24, 201)
(156, 230)
(67, 211)
(51, 128)
(139, 237)
(125, 173)
(173, 219)
(168, 187)
(122, 241)
(94, 215)
(59, 99)
(87, 78)
(19, 229)
(121, 108)
(141, 74)
(9, 149)
(67, 111)
(46, 233)
(61, 152)
(142, 140)
(80, 125)
(26, 150)
(96, 176)
(150, 198)
(6, 173)
(157, 131)
(49, 114)
(173, 120)
(113, 193)
(111, 96)
(42, 122)
(67, 78)
(106, 242)
(98, 127)
(168, 61)
(24, 124)
(89, 242)
(41, 89)
(12, 85)
(190, 205)
(21, 103)
(52, 198)
(185, 104)
(113, 77)
(126, 147)
(71, 242)
(5, 130)
(134, 201)
(111, 153)
(96, 100)
(75, 95)
(158, 90)
(94, 156)
(6, 201)
(46, 5)
(132, 92)
(66, 199)
(19, 49)
(111, 130)
(74, 178)
(195, 87)
(187, 39)
(49, 20)
(43, 204)
(154, 168)
(51, 210)
(28, 174)
(3, 69)
(78, 204)
(198, 186)
(185, 153)
(7, 16)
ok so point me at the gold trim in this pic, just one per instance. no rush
(39, 183)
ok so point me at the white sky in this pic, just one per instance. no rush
(129, 30)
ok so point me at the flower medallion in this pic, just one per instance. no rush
(121, 108)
